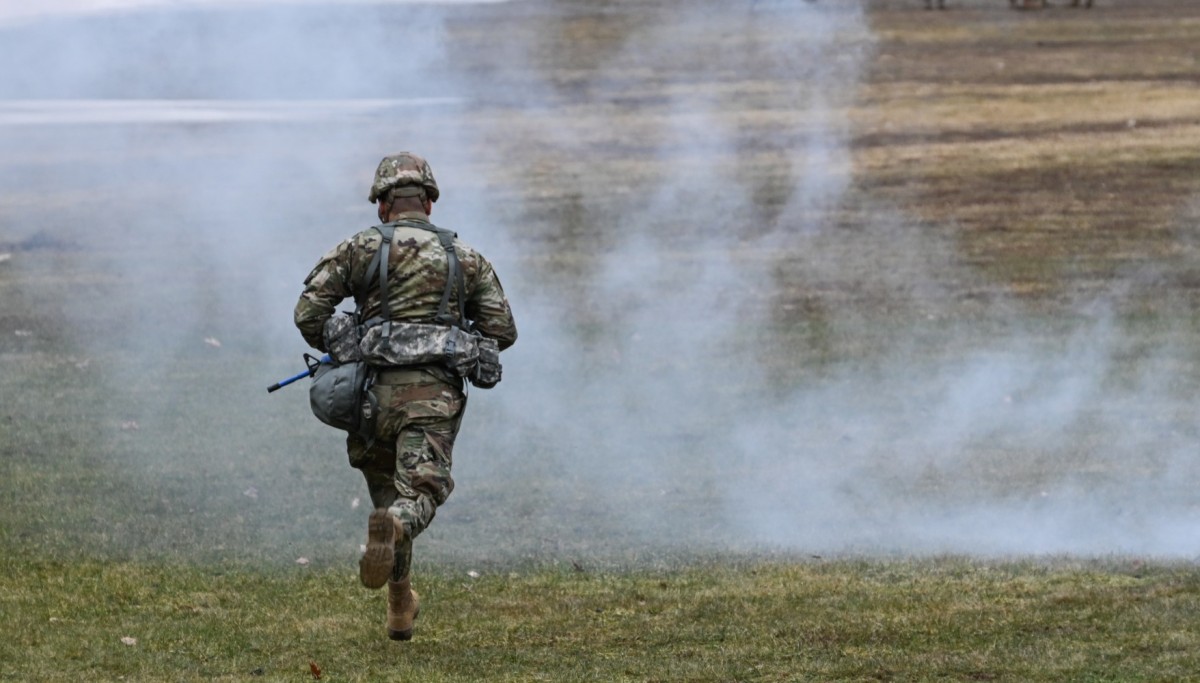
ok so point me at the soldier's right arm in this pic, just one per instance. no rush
(324, 288)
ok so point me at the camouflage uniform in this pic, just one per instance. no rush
(407, 468)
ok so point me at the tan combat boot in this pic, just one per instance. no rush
(403, 607)
(383, 532)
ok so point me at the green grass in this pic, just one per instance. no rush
(846, 620)
(111, 533)
(104, 539)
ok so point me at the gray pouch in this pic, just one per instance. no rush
(486, 373)
(342, 336)
(340, 396)
(419, 344)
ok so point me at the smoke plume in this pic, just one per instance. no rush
(710, 360)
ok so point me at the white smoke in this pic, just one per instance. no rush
(1001, 431)
(51, 10)
(663, 210)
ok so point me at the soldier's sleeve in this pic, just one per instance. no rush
(324, 288)
(488, 308)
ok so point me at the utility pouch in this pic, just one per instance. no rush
(403, 344)
(342, 335)
(487, 371)
(340, 396)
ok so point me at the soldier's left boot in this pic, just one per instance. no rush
(384, 531)
(403, 607)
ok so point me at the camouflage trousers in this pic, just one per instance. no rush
(407, 468)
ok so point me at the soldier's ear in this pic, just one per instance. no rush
(428, 206)
(381, 210)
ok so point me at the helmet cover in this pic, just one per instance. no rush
(401, 170)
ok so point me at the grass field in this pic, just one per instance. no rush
(960, 246)
(948, 619)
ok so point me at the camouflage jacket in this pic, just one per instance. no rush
(417, 271)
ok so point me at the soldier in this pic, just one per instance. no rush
(407, 464)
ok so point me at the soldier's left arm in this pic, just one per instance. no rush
(488, 309)
(324, 288)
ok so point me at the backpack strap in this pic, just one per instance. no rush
(454, 278)
(379, 262)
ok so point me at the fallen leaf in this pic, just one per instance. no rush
(302, 561)
(316, 670)
(473, 574)
(23, 333)
(250, 492)
(129, 426)
(213, 342)
(129, 641)
(5, 257)
(354, 504)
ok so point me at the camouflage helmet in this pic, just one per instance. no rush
(401, 170)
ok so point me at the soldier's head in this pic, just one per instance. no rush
(403, 182)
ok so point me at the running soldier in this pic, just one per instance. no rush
(420, 406)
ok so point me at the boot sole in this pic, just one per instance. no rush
(375, 567)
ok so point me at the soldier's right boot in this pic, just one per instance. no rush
(384, 531)
(403, 607)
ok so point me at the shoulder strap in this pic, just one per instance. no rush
(380, 261)
(453, 278)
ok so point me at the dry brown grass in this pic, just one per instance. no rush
(1049, 141)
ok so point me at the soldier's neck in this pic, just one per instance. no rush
(406, 215)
